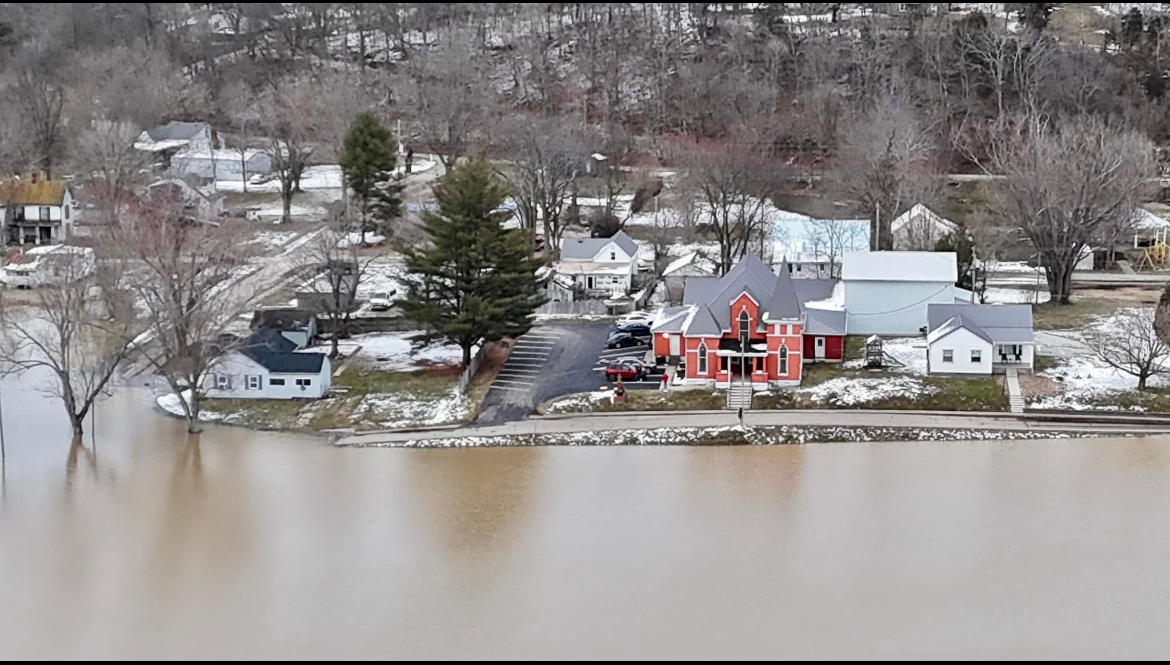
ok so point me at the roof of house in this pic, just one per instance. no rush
(900, 267)
(694, 260)
(583, 249)
(27, 192)
(176, 131)
(710, 298)
(188, 190)
(1146, 220)
(824, 322)
(996, 324)
(282, 318)
(920, 214)
(275, 353)
(784, 304)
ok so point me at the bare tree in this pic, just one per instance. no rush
(1065, 181)
(288, 121)
(191, 278)
(546, 161)
(1131, 344)
(835, 237)
(731, 185)
(113, 165)
(79, 329)
(452, 98)
(42, 103)
(240, 108)
(342, 270)
(887, 165)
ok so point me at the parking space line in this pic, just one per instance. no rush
(538, 336)
(510, 382)
(530, 353)
(519, 375)
(518, 390)
(527, 343)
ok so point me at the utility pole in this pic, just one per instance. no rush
(877, 226)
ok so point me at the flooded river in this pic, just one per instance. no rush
(265, 545)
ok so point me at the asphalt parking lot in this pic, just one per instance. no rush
(554, 360)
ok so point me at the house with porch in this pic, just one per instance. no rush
(746, 326)
(979, 339)
(35, 211)
(268, 365)
(599, 267)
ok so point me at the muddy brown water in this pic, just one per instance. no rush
(249, 544)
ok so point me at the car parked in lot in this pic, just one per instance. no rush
(642, 318)
(382, 301)
(635, 329)
(621, 340)
(626, 370)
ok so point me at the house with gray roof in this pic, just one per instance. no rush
(269, 365)
(979, 339)
(599, 267)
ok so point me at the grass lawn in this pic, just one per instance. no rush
(1051, 316)
(1045, 362)
(640, 400)
(1150, 400)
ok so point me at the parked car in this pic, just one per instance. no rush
(635, 329)
(635, 318)
(382, 301)
(627, 370)
(621, 340)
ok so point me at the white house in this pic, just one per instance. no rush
(196, 202)
(221, 164)
(920, 229)
(268, 366)
(600, 267)
(887, 293)
(979, 339)
(296, 324)
(35, 211)
(47, 265)
(175, 136)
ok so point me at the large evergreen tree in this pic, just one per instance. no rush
(475, 282)
(369, 154)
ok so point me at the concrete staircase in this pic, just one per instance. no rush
(1015, 395)
(739, 395)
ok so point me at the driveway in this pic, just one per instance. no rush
(550, 361)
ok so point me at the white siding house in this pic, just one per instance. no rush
(599, 267)
(958, 351)
(979, 339)
(36, 212)
(887, 293)
(268, 366)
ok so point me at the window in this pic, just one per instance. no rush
(798, 267)
(304, 383)
(223, 382)
(745, 325)
(948, 355)
(66, 212)
(702, 359)
(613, 256)
(790, 268)
(782, 361)
(589, 283)
(976, 356)
(276, 382)
(252, 382)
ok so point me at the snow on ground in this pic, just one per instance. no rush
(1005, 295)
(315, 177)
(173, 404)
(382, 275)
(854, 391)
(580, 402)
(275, 210)
(403, 410)
(910, 351)
(355, 239)
(394, 352)
(268, 241)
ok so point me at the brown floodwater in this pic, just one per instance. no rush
(244, 544)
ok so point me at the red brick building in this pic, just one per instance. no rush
(749, 325)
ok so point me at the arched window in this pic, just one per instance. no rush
(744, 329)
(702, 359)
(782, 361)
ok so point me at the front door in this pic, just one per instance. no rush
(819, 352)
(676, 345)
(46, 235)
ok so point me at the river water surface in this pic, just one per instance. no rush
(267, 545)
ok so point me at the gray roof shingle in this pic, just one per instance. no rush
(998, 324)
(175, 131)
(274, 352)
(583, 249)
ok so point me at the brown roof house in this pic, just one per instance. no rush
(35, 211)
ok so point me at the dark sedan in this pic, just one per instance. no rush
(622, 340)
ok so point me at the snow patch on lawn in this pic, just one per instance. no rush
(1006, 296)
(173, 404)
(395, 352)
(267, 241)
(402, 410)
(910, 351)
(580, 402)
(850, 391)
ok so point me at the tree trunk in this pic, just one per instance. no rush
(193, 414)
(333, 345)
(466, 355)
(286, 202)
(1142, 380)
(78, 423)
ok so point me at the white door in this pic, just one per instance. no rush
(676, 345)
(820, 348)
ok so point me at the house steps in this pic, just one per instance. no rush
(1015, 395)
(739, 396)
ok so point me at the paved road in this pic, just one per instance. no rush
(1080, 278)
(550, 361)
(831, 418)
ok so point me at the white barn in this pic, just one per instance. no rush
(268, 366)
(887, 293)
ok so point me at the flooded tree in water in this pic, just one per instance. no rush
(191, 281)
(78, 328)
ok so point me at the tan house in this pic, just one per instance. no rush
(34, 211)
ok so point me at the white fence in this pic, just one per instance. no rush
(473, 367)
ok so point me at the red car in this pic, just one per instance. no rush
(626, 371)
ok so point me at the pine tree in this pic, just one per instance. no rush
(369, 154)
(475, 282)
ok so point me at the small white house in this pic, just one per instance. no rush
(599, 267)
(47, 265)
(887, 293)
(175, 136)
(35, 211)
(979, 339)
(268, 366)
(920, 229)
(221, 164)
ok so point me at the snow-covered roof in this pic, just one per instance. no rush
(1146, 220)
(160, 146)
(900, 267)
(921, 215)
(693, 259)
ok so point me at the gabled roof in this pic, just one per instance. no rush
(997, 324)
(25, 192)
(269, 349)
(175, 131)
(584, 249)
(670, 319)
(784, 305)
(701, 323)
(920, 214)
(900, 267)
(282, 318)
(824, 322)
(692, 260)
